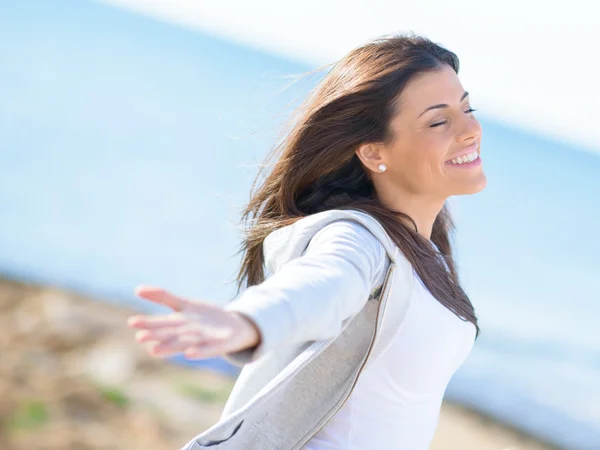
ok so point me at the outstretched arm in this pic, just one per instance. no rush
(310, 296)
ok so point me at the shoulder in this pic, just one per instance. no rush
(345, 229)
(351, 239)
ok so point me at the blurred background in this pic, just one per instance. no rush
(130, 133)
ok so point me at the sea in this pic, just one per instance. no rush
(128, 147)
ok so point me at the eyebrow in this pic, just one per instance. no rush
(443, 105)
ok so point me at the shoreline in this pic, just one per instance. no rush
(73, 377)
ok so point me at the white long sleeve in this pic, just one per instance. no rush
(309, 297)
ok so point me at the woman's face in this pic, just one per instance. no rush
(436, 148)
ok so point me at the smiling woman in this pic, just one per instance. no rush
(356, 333)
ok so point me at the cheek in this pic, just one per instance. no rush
(429, 166)
(421, 168)
(431, 157)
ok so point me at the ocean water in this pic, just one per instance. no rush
(127, 147)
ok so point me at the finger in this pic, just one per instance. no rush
(210, 349)
(161, 296)
(169, 348)
(162, 335)
(149, 345)
(190, 332)
(153, 322)
(198, 332)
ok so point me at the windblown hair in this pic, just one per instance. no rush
(316, 168)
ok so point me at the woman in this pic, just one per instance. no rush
(359, 188)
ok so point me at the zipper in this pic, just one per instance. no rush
(377, 318)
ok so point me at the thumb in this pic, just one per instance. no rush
(161, 296)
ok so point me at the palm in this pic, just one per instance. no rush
(198, 329)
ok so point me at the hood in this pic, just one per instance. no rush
(290, 241)
(283, 245)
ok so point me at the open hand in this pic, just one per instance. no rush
(196, 328)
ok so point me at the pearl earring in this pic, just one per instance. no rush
(381, 167)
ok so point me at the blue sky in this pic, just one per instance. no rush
(526, 63)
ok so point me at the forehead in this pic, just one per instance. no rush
(431, 88)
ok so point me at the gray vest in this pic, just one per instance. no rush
(280, 407)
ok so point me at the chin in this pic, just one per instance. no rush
(473, 187)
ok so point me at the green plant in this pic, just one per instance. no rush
(31, 414)
(115, 396)
(203, 394)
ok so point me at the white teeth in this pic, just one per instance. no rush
(466, 158)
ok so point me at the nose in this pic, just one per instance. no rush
(470, 129)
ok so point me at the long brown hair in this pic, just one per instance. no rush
(316, 168)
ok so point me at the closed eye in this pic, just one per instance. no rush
(468, 111)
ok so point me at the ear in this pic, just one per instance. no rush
(371, 156)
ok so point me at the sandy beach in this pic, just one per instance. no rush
(73, 378)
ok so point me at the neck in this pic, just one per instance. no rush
(422, 209)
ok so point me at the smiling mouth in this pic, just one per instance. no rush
(469, 158)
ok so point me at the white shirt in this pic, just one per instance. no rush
(396, 401)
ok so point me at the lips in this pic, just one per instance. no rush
(464, 152)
